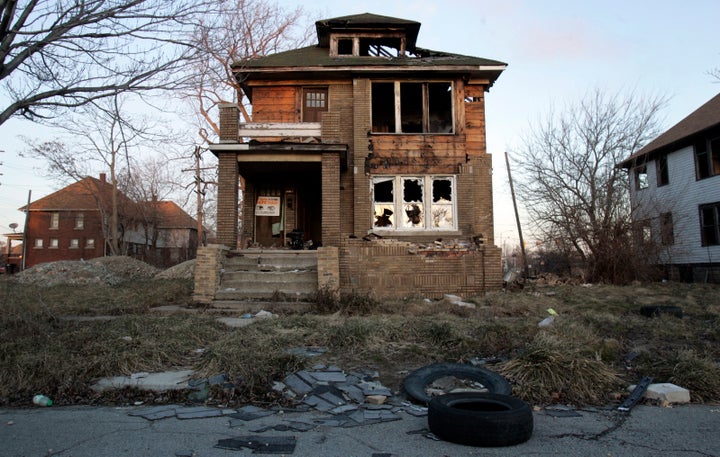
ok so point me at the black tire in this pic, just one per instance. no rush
(415, 383)
(480, 419)
(656, 310)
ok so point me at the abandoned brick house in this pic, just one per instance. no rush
(73, 224)
(367, 149)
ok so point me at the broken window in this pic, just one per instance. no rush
(368, 46)
(707, 158)
(442, 203)
(710, 224)
(406, 209)
(384, 209)
(413, 209)
(345, 46)
(641, 177)
(412, 107)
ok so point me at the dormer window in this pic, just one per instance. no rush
(368, 45)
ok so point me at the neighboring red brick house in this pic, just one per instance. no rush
(369, 148)
(72, 224)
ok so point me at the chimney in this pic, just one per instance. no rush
(229, 122)
(103, 177)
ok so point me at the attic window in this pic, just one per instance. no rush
(368, 45)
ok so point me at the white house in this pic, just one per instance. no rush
(675, 194)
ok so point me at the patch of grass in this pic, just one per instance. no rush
(549, 370)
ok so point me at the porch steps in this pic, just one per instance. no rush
(272, 275)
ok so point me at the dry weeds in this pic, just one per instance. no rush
(597, 346)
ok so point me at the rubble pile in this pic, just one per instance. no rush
(103, 270)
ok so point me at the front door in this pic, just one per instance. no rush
(269, 229)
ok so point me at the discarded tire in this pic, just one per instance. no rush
(415, 383)
(480, 419)
(656, 310)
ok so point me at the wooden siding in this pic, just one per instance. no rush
(403, 154)
(275, 104)
(681, 197)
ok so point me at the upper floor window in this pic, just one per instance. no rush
(707, 158)
(79, 221)
(667, 232)
(661, 165)
(412, 107)
(54, 221)
(641, 177)
(315, 102)
(414, 202)
(710, 224)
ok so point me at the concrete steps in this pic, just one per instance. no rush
(273, 275)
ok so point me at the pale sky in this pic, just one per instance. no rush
(556, 51)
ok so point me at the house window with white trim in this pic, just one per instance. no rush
(54, 243)
(90, 243)
(54, 221)
(414, 203)
(79, 221)
(74, 243)
(38, 243)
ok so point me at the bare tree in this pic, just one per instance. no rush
(60, 54)
(104, 136)
(573, 191)
(248, 29)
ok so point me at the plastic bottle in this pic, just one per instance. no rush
(42, 400)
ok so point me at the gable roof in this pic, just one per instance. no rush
(88, 194)
(700, 120)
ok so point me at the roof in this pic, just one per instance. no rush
(88, 194)
(316, 60)
(171, 216)
(700, 120)
(366, 22)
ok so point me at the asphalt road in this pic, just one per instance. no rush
(689, 430)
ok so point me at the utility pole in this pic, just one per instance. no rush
(526, 271)
(198, 190)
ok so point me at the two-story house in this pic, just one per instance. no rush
(675, 194)
(371, 151)
(73, 223)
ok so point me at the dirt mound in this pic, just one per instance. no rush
(103, 270)
(185, 270)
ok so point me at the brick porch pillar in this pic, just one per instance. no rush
(331, 199)
(228, 178)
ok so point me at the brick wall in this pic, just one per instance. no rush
(208, 265)
(328, 269)
(397, 269)
(331, 199)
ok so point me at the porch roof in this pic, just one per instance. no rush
(254, 157)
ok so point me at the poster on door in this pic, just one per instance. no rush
(267, 206)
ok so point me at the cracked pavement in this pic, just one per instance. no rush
(689, 430)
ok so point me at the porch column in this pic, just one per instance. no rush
(227, 199)
(330, 199)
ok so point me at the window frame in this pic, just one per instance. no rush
(79, 221)
(709, 226)
(706, 153)
(667, 229)
(38, 243)
(402, 207)
(54, 243)
(426, 107)
(74, 243)
(89, 243)
(662, 172)
(54, 221)
(641, 177)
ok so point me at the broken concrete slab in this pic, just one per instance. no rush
(199, 412)
(168, 380)
(297, 384)
(260, 444)
(250, 413)
(155, 412)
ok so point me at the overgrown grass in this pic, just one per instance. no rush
(598, 344)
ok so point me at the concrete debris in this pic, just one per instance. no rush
(260, 444)
(169, 380)
(666, 393)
